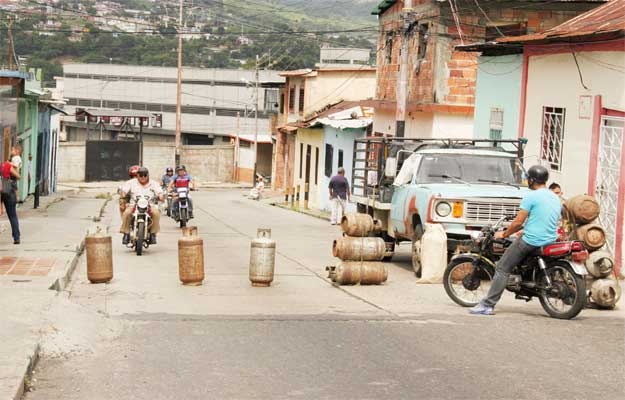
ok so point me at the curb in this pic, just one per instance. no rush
(301, 211)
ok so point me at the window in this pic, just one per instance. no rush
(316, 164)
(157, 120)
(291, 99)
(301, 99)
(552, 136)
(388, 47)
(496, 123)
(301, 157)
(328, 161)
(340, 158)
(271, 100)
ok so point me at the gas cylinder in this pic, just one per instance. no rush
(359, 248)
(433, 254)
(99, 257)
(191, 257)
(348, 273)
(357, 224)
(605, 292)
(600, 264)
(373, 273)
(262, 258)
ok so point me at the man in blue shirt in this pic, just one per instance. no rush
(540, 212)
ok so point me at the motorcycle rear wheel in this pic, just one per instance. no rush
(140, 237)
(463, 289)
(568, 296)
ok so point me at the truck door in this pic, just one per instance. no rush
(403, 195)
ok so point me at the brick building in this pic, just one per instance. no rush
(425, 87)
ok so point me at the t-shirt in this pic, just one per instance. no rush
(339, 186)
(135, 189)
(166, 179)
(16, 161)
(541, 227)
(182, 181)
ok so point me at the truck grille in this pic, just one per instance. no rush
(488, 211)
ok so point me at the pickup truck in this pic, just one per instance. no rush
(463, 184)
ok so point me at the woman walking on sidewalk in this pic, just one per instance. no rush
(9, 197)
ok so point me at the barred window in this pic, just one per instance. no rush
(496, 123)
(552, 137)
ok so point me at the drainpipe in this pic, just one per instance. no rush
(402, 82)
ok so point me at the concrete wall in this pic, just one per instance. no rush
(157, 157)
(209, 163)
(331, 86)
(71, 162)
(553, 80)
(426, 124)
(498, 86)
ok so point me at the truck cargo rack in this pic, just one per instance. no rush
(370, 154)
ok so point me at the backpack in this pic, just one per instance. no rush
(7, 183)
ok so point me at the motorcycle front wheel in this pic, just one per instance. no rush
(183, 217)
(465, 286)
(140, 237)
(567, 296)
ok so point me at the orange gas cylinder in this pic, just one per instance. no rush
(191, 257)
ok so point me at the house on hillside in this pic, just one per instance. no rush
(425, 87)
(572, 108)
(307, 93)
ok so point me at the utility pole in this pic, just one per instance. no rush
(256, 126)
(236, 150)
(402, 81)
(179, 90)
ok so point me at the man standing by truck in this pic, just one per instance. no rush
(339, 195)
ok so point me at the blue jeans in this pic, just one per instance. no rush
(514, 255)
(10, 203)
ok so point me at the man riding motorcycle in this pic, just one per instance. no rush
(538, 217)
(124, 200)
(182, 179)
(167, 177)
(141, 186)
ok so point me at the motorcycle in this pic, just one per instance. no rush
(182, 210)
(140, 224)
(554, 274)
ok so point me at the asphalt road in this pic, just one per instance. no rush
(145, 336)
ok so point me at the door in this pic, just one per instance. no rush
(307, 175)
(109, 160)
(609, 190)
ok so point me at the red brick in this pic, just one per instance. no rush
(18, 271)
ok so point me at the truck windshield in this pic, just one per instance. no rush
(471, 168)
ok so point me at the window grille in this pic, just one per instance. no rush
(496, 123)
(552, 137)
(301, 99)
(328, 160)
(291, 99)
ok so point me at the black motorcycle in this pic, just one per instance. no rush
(140, 224)
(554, 274)
(181, 213)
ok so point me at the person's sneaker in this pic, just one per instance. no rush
(481, 309)
(153, 238)
(16, 241)
(126, 238)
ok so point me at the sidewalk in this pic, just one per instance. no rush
(52, 239)
(276, 199)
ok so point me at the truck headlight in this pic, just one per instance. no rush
(443, 209)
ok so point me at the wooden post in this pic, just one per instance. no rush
(286, 196)
(292, 193)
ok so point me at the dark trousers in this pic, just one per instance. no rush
(10, 203)
(514, 255)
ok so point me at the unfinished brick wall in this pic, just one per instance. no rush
(455, 76)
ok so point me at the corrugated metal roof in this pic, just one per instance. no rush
(608, 18)
(115, 113)
(297, 72)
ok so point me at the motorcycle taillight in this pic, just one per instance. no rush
(580, 256)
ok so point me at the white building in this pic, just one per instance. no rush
(216, 103)
(341, 57)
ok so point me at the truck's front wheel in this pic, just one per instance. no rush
(416, 250)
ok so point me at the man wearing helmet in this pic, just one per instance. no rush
(538, 217)
(182, 179)
(123, 200)
(165, 179)
(142, 185)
